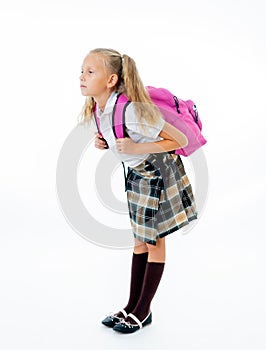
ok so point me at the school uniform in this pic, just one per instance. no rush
(159, 193)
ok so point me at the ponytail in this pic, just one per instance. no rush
(135, 91)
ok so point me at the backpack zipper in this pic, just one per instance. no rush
(176, 104)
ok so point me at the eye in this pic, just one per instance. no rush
(90, 71)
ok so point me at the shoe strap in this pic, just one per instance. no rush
(124, 313)
(136, 320)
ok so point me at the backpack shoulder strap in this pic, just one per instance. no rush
(96, 118)
(118, 116)
(118, 122)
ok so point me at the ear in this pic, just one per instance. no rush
(112, 80)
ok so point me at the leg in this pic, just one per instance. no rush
(138, 267)
(153, 274)
(157, 252)
(140, 247)
(139, 260)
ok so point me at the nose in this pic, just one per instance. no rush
(82, 76)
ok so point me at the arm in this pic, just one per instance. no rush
(172, 139)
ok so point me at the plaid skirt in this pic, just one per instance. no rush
(160, 197)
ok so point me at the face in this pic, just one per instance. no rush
(94, 80)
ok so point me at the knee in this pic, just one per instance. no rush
(151, 247)
(160, 245)
(140, 247)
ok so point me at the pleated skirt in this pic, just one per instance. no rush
(160, 197)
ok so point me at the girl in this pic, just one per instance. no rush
(159, 194)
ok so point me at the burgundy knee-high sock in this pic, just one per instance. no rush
(153, 274)
(138, 267)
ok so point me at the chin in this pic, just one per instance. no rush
(84, 93)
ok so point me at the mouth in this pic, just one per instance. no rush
(82, 86)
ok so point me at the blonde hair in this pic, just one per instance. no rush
(129, 83)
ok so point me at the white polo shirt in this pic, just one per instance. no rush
(133, 129)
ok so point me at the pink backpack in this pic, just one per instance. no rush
(181, 114)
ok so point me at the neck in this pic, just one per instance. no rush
(102, 100)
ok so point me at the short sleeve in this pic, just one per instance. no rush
(133, 124)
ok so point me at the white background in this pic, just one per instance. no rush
(56, 286)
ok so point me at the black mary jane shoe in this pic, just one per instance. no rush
(127, 327)
(112, 320)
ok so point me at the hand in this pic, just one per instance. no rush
(126, 145)
(100, 141)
